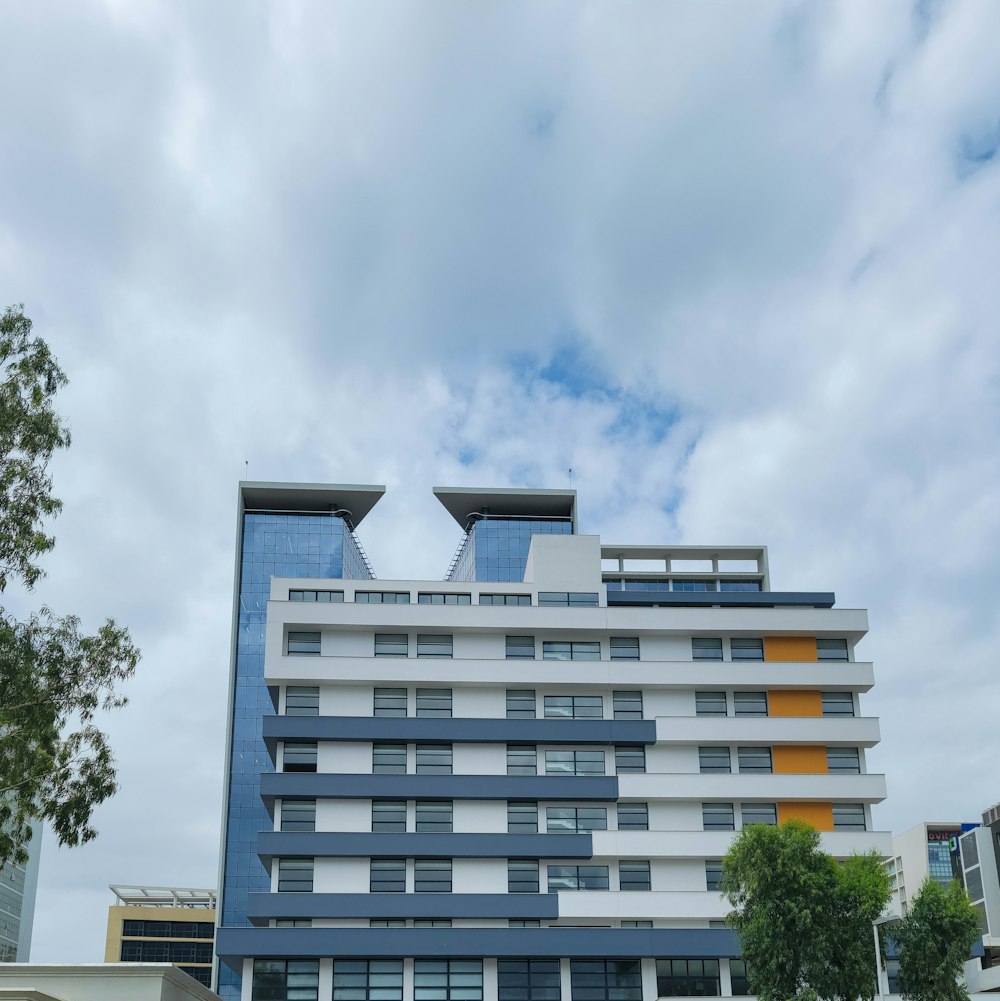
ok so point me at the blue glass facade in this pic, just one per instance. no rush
(496, 549)
(283, 545)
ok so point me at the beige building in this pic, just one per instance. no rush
(161, 924)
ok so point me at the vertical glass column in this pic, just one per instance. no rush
(280, 545)
(496, 549)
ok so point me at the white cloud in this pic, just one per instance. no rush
(344, 243)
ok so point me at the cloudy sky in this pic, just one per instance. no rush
(735, 263)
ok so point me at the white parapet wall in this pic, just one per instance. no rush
(99, 982)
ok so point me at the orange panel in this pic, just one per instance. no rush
(790, 648)
(794, 703)
(805, 759)
(819, 815)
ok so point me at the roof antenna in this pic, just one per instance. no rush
(570, 477)
(246, 467)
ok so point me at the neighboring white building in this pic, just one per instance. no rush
(99, 982)
(925, 851)
(459, 766)
(980, 863)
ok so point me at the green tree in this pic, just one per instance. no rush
(934, 940)
(55, 764)
(804, 921)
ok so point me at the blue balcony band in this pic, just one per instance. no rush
(320, 785)
(263, 907)
(723, 599)
(413, 729)
(308, 844)
(233, 944)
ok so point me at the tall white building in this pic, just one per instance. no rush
(517, 784)
(18, 888)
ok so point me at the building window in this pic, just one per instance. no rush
(522, 875)
(606, 979)
(577, 877)
(576, 819)
(391, 645)
(624, 647)
(633, 816)
(520, 703)
(851, 817)
(522, 818)
(301, 701)
(970, 851)
(434, 645)
(713, 873)
(388, 759)
(434, 759)
(388, 816)
(681, 978)
(447, 980)
(637, 924)
(435, 816)
(742, 648)
(434, 702)
(843, 760)
(739, 585)
(569, 599)
(279, 979)
(298, 815)
(759, 813)
(303, 644)
(324, 596)
(524, 923)
(522, 759)
(831, 650)
(630, 759)
(627, 705)
(574, 706)
(388, 875)
(299, 756)
(390, 701)
(520, 647)
(687, 584)
(634, 875)
(432, 875)
(528, 980)
(574, 762)
(718, 817)
(382, 597)
(714, 759)
(710, 704)
(750, 703)
(432, 922)
(387, 923)
(571, 650)
(706, 648)
(838, 704)
(160, 952)
(505, 599)
(754, 759)
(739, 977)
(132, 928)
(295, 875)
(367, 980)
(974, 883)
(439, 598)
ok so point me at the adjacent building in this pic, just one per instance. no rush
(516, 784)
(18, 888)
(980, 870)
(925, 851)
(99, 982)
(162, 924)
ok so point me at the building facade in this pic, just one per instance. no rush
(980, 868)
(18, 888)
(519, 783)
(925, 851)
(162, 924)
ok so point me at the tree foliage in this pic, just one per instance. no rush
(934, 940)
(55, 764)
(804, 920)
